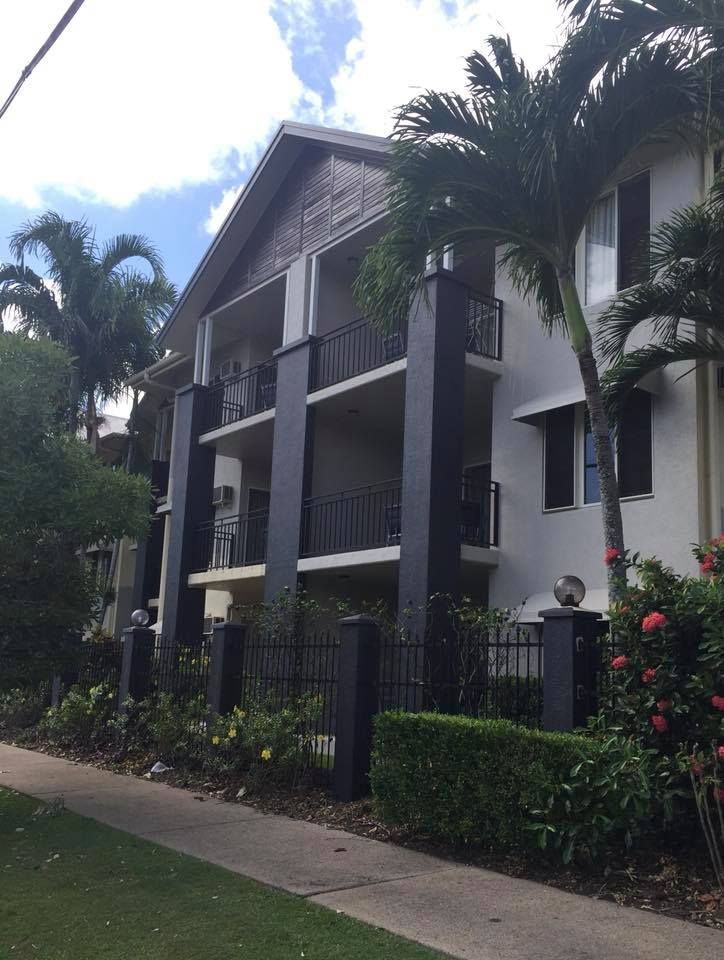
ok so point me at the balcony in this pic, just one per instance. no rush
(241, 396)
(484, 336)
(353, 349)
(370, 517)
(232, 542)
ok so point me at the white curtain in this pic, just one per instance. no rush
(601, 250)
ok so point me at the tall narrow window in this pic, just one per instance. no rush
(559, 472)
(601, 270)
(591, 487)
(634, 225)
(635, 474)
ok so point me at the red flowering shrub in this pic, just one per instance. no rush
(611, 556)
(667, 641)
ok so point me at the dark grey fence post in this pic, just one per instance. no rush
(225, 666)
(56, 690)
(570, 648)
(359, 654)
(138, 647)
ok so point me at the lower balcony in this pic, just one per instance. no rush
(235, 544)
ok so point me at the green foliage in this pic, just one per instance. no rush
(459, 779)
(21, 708)
(667, 631)
(266, 740)
(83, 718)
(175, 729)
(55, 499)
(608, 797)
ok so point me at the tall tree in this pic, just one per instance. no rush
(681, 309)
(103, 302)
(56, 497)
(520, 163)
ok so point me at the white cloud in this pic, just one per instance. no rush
(219, 211)
(140, 96)
(407, 46)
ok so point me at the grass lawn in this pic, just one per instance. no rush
(72, 889)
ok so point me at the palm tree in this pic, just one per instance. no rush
(682, 305)
(519, 163)
(91, 299)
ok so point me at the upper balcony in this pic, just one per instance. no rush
(360, 347)
(240, 396)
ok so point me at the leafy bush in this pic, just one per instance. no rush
(21, 708)
(460, 779)
(667, 671)
(270, 741)
(82, 719)
(175, 728)
(609, 796)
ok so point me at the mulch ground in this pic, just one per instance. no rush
(673, 877)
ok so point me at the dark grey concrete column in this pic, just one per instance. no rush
(225, 667)
(291, 467)
(359, 655)
(138, 646)
(192, 473)
(570, 665)
(433, 445)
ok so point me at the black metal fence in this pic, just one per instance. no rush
(484, 326)
(100, 663)
(495, 673)
(357, 519)
(242, 395)
(231, 542)
(351, 350)
(479, 522)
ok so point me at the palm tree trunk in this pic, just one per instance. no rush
(91, 420)
(582, 345)
(73, 400)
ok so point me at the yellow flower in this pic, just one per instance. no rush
(216, 741)
(266, 754)
(242, 713)
(232, 732)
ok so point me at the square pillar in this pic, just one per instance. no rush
(192, 470)
(570, 666)
(291, 467)
(433, 445)
(138, 647)
(225, 667)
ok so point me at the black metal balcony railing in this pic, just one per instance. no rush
(484, 326)
(371, 516)
(351, 350)
(241, 396)
(358, 519)
(232, 542)
(479, 519)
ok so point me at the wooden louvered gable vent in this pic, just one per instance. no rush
(324, 196)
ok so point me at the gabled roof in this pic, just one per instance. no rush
(275, 164)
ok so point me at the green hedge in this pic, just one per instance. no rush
(465, 780)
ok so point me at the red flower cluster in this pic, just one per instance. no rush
(696, 768)
(654, 621)
(716, 702)
(720, 753)
(649, 675)
(659, 723)
(664, 705)
(620, 663)
(611, 556)
(719, 794)
(707, 564)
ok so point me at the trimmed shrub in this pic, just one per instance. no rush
(83, 718)
(459, 779)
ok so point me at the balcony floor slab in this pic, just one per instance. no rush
(361, 380)
(356, 558)
(226, 577)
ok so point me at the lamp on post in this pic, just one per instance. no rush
(569, 590)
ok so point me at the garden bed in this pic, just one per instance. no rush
(672, 878)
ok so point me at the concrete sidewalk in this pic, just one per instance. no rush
(462, 911)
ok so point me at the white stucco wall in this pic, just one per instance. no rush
(537, 547)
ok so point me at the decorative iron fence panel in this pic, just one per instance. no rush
(476, 672)
(284, 670)
(351, 350)
(100, 663)
(241, 396)
(232, 542)
(357, 519)
(484, 326)
(479, 522)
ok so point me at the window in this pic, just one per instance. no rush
(617, 239)
(559, 455)
(567, 426)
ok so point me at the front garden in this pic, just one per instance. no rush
(631, 808)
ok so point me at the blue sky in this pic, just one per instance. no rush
(148, 117)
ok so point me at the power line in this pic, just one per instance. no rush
(55, 33)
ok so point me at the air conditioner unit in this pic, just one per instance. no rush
(226, 369)
(209, 622)
(222, 496)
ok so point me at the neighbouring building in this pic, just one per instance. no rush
(299, 445)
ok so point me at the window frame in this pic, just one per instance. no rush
(580, 253)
